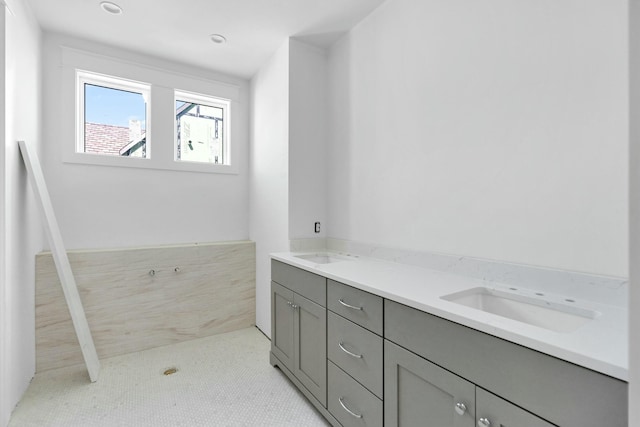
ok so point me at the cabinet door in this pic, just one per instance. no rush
(419, 393)
(494, 412)
(282, 331)
(310, 331)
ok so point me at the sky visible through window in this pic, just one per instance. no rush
(113, 107)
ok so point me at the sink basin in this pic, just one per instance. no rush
(531, 310)
(323, 258)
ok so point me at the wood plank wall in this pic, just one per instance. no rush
(197, 291)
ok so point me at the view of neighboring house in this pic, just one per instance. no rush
(199, 135)
(199, 132)
(115, 140)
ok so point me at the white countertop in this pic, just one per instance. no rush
(601, 344)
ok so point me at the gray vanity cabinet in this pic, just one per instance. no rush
(299, 327)
(419, 393)
(366, 361)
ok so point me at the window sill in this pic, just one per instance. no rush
(151, 163)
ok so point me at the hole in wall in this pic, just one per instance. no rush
(170, 371)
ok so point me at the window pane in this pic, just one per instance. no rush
(200, 135)
(114, 122)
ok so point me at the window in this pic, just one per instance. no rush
(201, 129)
(112, 116)
(118, 113)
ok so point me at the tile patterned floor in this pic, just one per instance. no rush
(223, 380)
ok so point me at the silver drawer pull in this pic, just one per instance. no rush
(353, 414)
(357, 356)
(353, 307)
(484, 422)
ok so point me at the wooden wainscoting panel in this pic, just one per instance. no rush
(128, 309)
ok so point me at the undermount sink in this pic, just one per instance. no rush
(323, 258)
(531, 310)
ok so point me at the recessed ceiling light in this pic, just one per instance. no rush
(112, 8)
(218, 38)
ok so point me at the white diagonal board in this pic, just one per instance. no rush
(61, 261)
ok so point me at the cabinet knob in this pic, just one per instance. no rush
(484, 422)
(460, 408)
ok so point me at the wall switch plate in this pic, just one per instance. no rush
(316, 227)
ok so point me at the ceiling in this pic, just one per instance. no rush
(179, 30)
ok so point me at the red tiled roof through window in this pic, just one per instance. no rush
(105, 139)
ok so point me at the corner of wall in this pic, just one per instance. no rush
(5, 410)
(269, 172)
(308, 134)
(21, 231)
(634, 214)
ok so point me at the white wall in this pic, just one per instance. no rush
(493, 129)
(103, 206)
(269, 187)
(308, 133)
(634, 225)
(5, 406)
(22, 229)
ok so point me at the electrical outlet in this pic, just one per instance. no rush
(316, 227)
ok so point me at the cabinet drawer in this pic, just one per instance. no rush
(350, 403)
(560, 392)
(307, 284)
(356, 351)
(360, 307)
(498, 412)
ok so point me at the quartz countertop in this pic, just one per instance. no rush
(601, 344)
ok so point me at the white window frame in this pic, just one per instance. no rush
(162, 83)
(209, 101)
(111, 82)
